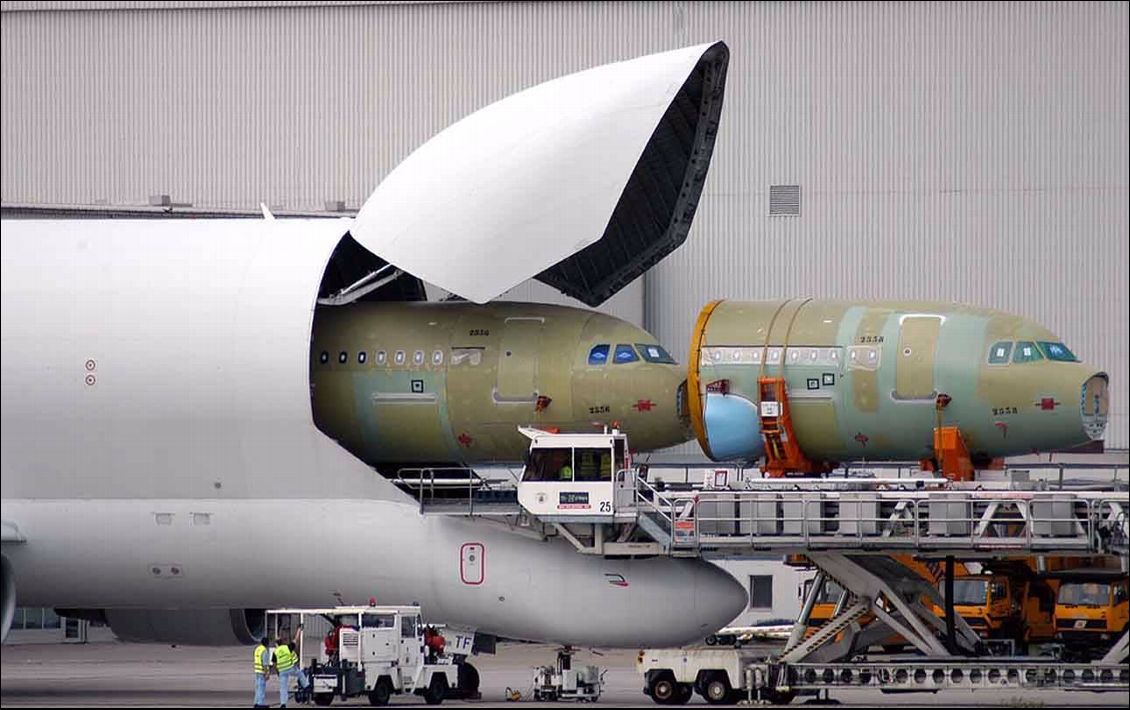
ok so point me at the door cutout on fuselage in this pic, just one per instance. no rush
(914, 360)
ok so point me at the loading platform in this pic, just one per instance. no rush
(790, 515)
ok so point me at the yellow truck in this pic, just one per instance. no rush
(1006, 607)
(1091, 614)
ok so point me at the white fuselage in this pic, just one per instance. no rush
(158, 452)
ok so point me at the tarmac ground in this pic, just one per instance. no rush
(121, 674)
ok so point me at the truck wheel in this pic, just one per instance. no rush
(662, 688)
(323, 699)
(381, 692)
(437, 690)
(716, 689)
(468, 680)
(683, 695)
(778, 697)
(711, 640)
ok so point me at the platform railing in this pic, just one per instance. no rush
(1028, 521)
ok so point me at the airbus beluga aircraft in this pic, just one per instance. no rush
(193, 410)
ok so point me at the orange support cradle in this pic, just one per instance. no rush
(953, 456)
(782, 452)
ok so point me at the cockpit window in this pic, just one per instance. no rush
(998, 354)
(1057, 352)
(598, 355)
(1026, 351)
(625, 353)
(654, 353)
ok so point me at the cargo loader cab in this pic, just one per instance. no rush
(578, 477)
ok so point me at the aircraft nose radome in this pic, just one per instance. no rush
(719, 599)
(685, 601)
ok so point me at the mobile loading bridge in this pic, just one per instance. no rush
(781, 515)
(860, 533)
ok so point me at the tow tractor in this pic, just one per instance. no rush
(377, 651)
(563, 682)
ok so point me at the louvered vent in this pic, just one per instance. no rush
(784, 200)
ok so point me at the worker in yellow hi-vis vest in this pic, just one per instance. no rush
(262, 669)
(287, 664)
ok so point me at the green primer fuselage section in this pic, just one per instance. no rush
(451, 382)
(863, 377)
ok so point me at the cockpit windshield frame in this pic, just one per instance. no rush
(1057, 352)
(655, 353)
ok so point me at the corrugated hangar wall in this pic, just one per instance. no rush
(972, 152)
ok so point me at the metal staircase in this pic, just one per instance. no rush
(827, 632)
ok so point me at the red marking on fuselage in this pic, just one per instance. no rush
(1003, 427)
(1048, 403)
(862, 438)
(616, 580)
(465, 440)
(643, 405)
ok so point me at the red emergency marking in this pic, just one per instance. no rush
(1003, 427)
(862, 438)
(643, 405)
(616, 580)
(465, 440)
(1048, 403)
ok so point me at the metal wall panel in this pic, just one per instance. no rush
(974, 151)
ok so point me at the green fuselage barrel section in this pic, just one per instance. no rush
(451, 382)
(863, 378)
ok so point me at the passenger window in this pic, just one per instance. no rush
(381, 357)
(324, 357)
(418, 357)
(1026, 352)
(1057, 352)
(625, 354)
(654, 353)
(598, 355)
(399, 357)
(998, 354)
(361, 357)
(342, 357)
(437, 357)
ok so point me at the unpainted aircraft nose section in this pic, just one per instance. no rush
(623, 377)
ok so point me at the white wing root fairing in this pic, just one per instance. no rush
(584, 182)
